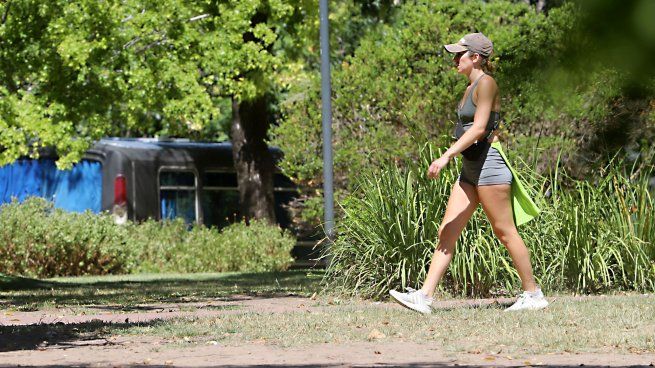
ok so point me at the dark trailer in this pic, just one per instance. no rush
(143, 178)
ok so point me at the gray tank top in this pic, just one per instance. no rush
(466, 113)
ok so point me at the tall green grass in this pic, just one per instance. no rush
(607, 231)
(589, 237)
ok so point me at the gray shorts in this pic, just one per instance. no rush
(488, 169)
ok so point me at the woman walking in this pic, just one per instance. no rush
(485, 178)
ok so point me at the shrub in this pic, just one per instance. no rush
(595, 236)
(38, 240)
(256, 247)
(156, 243)
(170, 246)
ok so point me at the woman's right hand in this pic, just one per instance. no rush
(437, 165)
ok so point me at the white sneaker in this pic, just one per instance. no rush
(414, 300)
(529, 300)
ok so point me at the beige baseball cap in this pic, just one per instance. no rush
(474, 42)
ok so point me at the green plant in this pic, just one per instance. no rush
(606, 230)
(257, 246)
(588, 238)
(389, 229)
(158, 244)
(171, 247)
(38, 240)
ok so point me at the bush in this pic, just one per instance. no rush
(593, 237)
(170, 247)
(38, 240)
(256, 247)
(158, 245)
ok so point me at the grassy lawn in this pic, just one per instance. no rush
(613, 323)
(129, 291)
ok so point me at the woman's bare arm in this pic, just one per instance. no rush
(486, 91)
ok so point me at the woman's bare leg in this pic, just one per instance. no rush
(461, 205)
(495, 200)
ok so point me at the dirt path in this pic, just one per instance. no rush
(132, 351)
(129, 352)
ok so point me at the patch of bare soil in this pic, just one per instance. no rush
(132, 352)
(62, 338)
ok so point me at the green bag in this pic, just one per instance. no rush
(523, 207)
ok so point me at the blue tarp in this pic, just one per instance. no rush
(178, 204)
(75, 190)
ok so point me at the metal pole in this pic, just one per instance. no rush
(328, 191)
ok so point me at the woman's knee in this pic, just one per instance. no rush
(448, 234)
(505, 233)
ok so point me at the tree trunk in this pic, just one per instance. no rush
(252, 160)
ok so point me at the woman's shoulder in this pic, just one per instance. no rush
(488, 81)
(487, 88)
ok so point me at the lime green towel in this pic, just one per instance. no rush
(523, 207)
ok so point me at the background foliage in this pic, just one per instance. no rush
(399, 87)
(37, 240)
(72, 72)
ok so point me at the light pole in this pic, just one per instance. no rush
(328, 191)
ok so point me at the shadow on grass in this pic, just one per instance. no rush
(501, 304)
(21, 283)
(129, 291)
(60, 335)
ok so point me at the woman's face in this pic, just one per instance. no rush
(464, 62)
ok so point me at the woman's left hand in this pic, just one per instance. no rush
(437, 165)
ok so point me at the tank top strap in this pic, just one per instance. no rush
(469, 95)
(475, 85)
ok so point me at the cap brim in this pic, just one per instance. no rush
(455, 47)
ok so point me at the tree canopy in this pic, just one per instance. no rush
(71, 72)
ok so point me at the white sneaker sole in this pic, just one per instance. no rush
(531, 307)
(424, 309)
